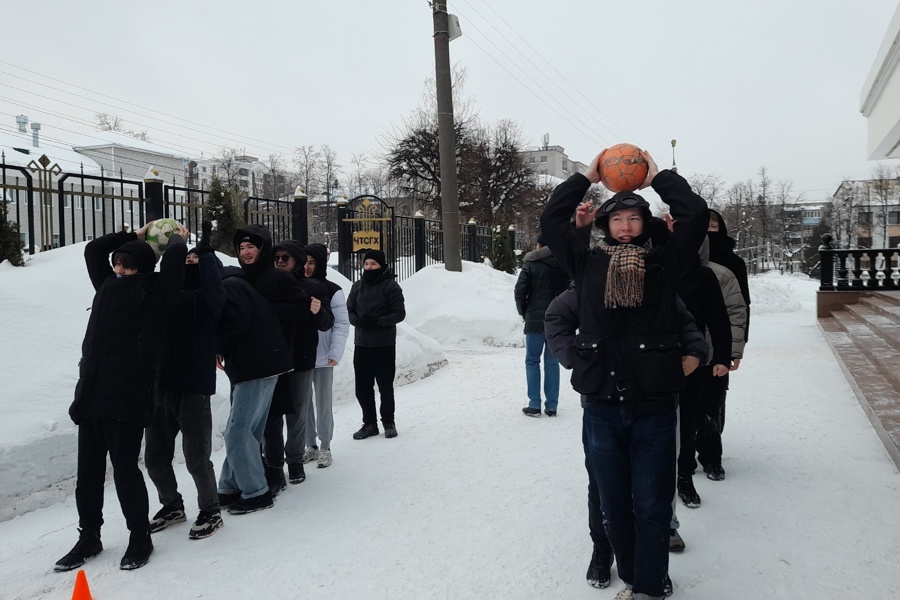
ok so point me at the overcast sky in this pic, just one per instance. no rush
(740, 85)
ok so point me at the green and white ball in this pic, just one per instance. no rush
(160, 232)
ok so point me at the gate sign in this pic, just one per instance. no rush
(366, 240)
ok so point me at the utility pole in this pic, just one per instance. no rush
(446, 137)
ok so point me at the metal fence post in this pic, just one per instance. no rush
(512, 239)
(344, 240)
(299, 218)
(826, 259)
(419, 240)
(472, 227)
(153, 187)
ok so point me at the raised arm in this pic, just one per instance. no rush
(96, 255)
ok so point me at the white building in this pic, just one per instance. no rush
(121, 153)
(552, 160)
(250, 174)
(880, 98)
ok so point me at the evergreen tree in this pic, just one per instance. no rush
(502, 257)
(224, 209)
(11, 245)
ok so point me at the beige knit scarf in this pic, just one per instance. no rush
(625, 277)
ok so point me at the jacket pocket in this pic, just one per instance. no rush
(587, 371)
(657, 364)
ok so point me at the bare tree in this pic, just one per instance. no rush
(709, 186)
(884, 186)
(280, 181)
(108, 122)
(309, 169)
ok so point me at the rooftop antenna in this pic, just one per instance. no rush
(546, 140)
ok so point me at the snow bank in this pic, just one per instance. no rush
(475, 307)
(773, 292)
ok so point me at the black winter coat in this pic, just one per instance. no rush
(250, 338)
(561, 325)
(190, 360)
(627, 354)
(721, 252)
(381, 300)
(125, 337)
(541, 280)
(700, 290)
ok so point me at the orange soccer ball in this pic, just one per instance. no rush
(622, 168)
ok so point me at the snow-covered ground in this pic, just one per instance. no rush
(473, 500)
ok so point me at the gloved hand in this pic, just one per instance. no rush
(366, 322)
(205, 245)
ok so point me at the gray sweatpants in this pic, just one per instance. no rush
(323, 426)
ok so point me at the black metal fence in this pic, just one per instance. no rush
(51, 208)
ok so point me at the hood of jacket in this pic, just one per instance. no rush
(542, 255)
(255, 233)
(704, 252)
(723, 229)
(295, 249)
(142, 252)
(319, 253)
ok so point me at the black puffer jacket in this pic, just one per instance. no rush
(250, 337)
(561, 324)
(541, 280)
(190, 360)
(380, 300)
(627, 354)
(125, 337)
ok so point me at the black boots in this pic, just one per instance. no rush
(140, 547)
(87, 546)
(598, 573)
(687, 492)
(366, 431)
(390, 430)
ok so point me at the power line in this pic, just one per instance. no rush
(572, 85)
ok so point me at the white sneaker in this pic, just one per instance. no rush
(625, 594)
(324, 459)
(311, 454)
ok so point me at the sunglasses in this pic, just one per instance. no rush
(618, 203)
(282, 257)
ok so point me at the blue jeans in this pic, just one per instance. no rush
(535, 344)
(242, 470)
(632, 455)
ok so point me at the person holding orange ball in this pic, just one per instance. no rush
(628, 364)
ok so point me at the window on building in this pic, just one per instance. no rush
(864, 218)
(531, 159)
(24, 237)
(894, 241)
(203, 169)
(79, 203)
(894, 217)
(864, 242)
(88, 238)
(67, 202)
(543, 159)
(98, 204)
(56, 240)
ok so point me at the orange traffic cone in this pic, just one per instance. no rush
(81, 591)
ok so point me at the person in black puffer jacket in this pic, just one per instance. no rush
(119, 368)
(187, 382)
(375, 306)
(541, 280)
(294, 389)
(254, 357)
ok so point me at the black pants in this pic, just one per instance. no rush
(690, 404)
(711, 421)
(595, 514)
(371, 365)
(190, 414)
(122, 441)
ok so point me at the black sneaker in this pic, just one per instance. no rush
(532, 412)
(87, 546)
(668, 589)
(275, 479)
(140, 547)
(249, 505)
(390, 430)
(366, 431)
(226, 500)
(296, 474)
(206, 524)
(598, 573)
(714, 472)
(550, 413)
(687, 492)
(676, 544)
(166, 517)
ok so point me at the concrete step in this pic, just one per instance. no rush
(891, 296)
(878, 395)
(882, 355)
(868, 313)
